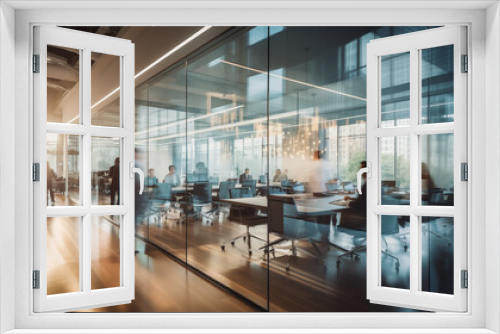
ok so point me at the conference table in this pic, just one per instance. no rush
(189, 187)
(307, 204)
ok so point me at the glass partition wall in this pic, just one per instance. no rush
(252, 147)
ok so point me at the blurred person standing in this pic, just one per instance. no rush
(114, 173)
(319, 171)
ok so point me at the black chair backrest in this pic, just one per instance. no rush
(202, 192)
(436, 196)
(252, 184)
(224, 189)
(240, 192)
(280, 208)
(162, 192)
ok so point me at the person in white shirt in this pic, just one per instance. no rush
(283, 176)
(171, 177)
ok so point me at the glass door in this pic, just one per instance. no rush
(429, 131)
(78, 159)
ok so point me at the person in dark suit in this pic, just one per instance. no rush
(245, 176)
(114, 173)
(50, 182)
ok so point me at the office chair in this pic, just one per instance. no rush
(160, 200)
(271, 190)
(222, 193)
(201, 197)
(252, 184)
(389, 229)
(286, 222)
(332, 187)
(348, 187)
(245, 216)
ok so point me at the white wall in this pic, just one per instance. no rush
(7, 159)
(492, 162)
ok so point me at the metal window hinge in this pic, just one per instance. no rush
(36, 172)
(36, 63)
(464, 171)
(465, 63)
(465, 279)
(36, 279)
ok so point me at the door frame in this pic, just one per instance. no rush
(477, 317)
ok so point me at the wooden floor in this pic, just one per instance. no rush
(164, 285)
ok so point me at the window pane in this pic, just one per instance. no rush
(395, 90)
(437, 169)
(167, 162)
(106, 171)
(226, 129)
(63, 85)
(437, 85)
(105, 78)
(63, 255)
(105, 248)
(63, 170)
(437, 254)
(395, 170)
(395, 254)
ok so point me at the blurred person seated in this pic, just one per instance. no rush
(283, 176)
(201, 169)
(277, 174)
(171, 177)
(245, 176)
(151, 180)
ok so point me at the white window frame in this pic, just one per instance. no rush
(483, 246)
(413, 44)
(125, 132)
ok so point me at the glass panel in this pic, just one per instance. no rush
(105, 171)
(63, 170)
(395, 90)
(437, 254)
(63, 85)
(395, 170)
(63, 255)
(141, 145)
(395, 257)
(105, 248)
(167, 162)
(437, 85)
(226, 127)
(437, 169)
(105, 78)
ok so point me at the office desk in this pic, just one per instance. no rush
(306, 204)
(189, 188)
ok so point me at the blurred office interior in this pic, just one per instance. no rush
(251, 138)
